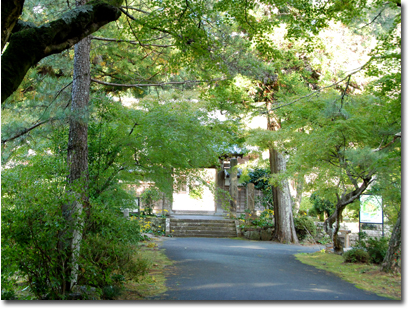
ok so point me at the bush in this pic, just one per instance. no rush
(304, 226)
(32, 232)
(34, 238)
(376, 247)
(265, 220)
(356, 255)
(109, 252)
(8, 295)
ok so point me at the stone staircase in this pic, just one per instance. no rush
(202, 228)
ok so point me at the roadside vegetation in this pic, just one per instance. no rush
(366, 276)
(154, 91)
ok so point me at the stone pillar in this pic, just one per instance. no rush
(234, 191)
(251, 212)
(219, 186)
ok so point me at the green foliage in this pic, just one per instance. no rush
(103, 261)
(33, 228)
(305, 207)
(356, 255)
(260, 178)
(196, 192)
(240, 45)
(34, 232)
(375, 247)
(265, 220)
(321, 205)
(324, 239)
(149, 197)
(304, 227)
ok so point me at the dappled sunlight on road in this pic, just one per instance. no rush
(309, 290)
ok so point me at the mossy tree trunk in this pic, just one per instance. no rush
(28, 45)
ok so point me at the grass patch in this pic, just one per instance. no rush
(153, 283)
(364, 276)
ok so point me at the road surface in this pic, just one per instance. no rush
(234, 269)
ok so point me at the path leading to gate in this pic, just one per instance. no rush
(233, 269)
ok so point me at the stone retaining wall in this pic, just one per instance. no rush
(354, 228)
(258, 233)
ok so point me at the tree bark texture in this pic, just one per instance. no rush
(283, 215)
(10, 12)
(298, 187)
(78, 134)
(393, 259)
(78, 151)
(31, 44)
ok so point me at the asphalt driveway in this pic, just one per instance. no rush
(233, 269)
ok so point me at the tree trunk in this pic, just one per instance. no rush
(392, 262)
(234, 193)
(298, 185)
(283, 214)
(78, 155)
(343, 201)
(10, 12)
(335, 239)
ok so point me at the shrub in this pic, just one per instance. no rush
(265, 220)
(356, 255)
(149, 197)
(304, 226)
(376, 247)
(34, 234)
(8, 295)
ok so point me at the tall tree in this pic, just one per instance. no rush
(78, 151)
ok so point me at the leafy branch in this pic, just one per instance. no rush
(151, 85)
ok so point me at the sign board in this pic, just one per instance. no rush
(371, 209)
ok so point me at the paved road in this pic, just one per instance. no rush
(232, 269)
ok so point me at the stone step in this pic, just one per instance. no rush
(202, 220)
(210, 224)
(202, 228)
(205, 235)
(195, 213)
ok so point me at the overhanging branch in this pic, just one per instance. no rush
(25, 131)
(322, 88)
(128, 41)
(29, 46)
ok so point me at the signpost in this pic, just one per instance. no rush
(371, 210)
